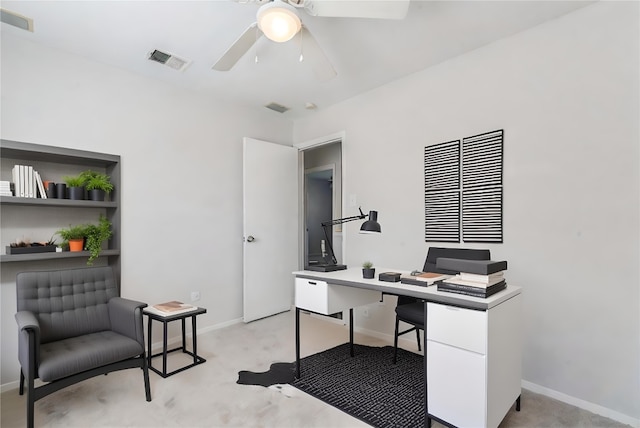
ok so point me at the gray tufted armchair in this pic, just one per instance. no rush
(73, 326)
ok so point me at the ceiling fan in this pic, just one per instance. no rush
(278, 20)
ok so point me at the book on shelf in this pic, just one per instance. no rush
(486, 279)
(43, 193)
(472, 291)
(458, 280)
(173, 307)
(479, 267)
(5, 188)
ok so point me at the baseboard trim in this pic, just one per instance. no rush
(586, 405)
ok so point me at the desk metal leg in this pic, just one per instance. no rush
(351, 331)
(297, 343)
(427, 419)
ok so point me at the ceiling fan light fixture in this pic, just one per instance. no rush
(278, 21)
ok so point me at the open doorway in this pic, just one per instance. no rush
(322, 201)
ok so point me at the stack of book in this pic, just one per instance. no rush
(27, 182)
(5, 188)
(423, 278)
(171, 308)
(477, 278)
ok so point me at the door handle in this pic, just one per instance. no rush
(250, 238)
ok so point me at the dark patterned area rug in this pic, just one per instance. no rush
(367, 386)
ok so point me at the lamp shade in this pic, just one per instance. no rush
(371, 225)
(278, 21)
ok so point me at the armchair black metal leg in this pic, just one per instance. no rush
(395, 341)
(31, 401)
(145, 374)
(21, 382)
(418, 337)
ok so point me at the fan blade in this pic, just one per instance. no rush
(315, 55)
(238, 48)
(381, 9)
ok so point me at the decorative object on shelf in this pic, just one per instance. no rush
(76, 186)
(93, 236)
(51, 189)
(27, 247)
(331, 263)
(61, 191)
(97, 185)
(368, 271)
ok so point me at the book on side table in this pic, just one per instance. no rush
(171, 308)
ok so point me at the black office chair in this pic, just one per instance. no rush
(411, 310)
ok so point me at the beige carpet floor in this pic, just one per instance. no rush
(208, 396)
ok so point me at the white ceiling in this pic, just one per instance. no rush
(366, 53)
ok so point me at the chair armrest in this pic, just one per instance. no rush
(126, 318)
(28, 341)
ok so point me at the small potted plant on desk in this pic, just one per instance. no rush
(368, 271)
(97, 185)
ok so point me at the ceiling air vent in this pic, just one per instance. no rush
(277, 107)
(16, 20)
(169, 60)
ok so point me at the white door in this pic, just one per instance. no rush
(270, 188)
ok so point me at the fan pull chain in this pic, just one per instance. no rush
(301, 52)
(256, 44)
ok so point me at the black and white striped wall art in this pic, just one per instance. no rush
(463, 189)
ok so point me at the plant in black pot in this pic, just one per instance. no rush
(75, 186)
(97, 185)
(368, 271)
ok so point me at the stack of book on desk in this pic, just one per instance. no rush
(477, 278)
(423, 278)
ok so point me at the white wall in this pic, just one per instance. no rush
(566, 95)
(181, 174)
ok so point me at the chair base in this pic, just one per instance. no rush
(35, 394)
(400, 333)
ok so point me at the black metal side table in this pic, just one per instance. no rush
(165, 320)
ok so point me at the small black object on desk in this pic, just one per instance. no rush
(166, 319)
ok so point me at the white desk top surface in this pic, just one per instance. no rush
(352, 277)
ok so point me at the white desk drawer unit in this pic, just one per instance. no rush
(324, 298)
(473, 362)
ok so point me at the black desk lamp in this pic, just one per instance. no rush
(369, 226)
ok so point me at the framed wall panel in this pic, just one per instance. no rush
(482, 187)
(442, 192)
(463, 189)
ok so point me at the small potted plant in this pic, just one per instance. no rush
(95, 235)
(89, 236)
(73, 237)
(75, 184)
(97, 184)
(368, 271)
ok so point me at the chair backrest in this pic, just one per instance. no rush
(67, 303)
(453, 253)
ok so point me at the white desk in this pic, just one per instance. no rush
(473, 346)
